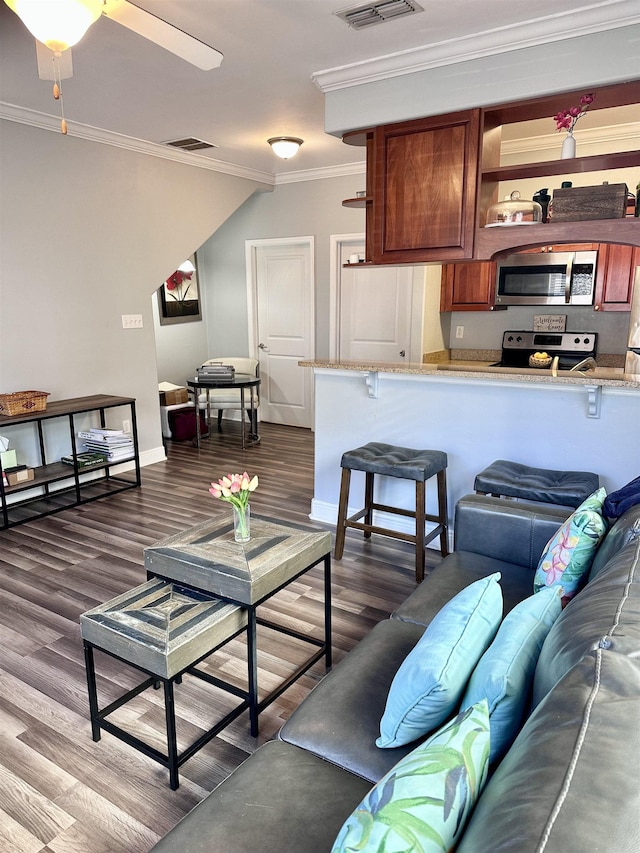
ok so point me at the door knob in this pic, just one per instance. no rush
(264, 347)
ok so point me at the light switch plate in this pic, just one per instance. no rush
(132, 321)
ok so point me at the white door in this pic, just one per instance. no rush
(375, 309)
(282, 298)
(375, 314)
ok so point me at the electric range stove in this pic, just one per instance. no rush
(570, 347)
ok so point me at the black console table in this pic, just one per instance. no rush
(57, 485)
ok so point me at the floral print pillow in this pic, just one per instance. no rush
(423, 803)
(567, 558)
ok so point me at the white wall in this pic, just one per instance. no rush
(87, 233)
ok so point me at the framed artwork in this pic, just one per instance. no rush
(179, 296)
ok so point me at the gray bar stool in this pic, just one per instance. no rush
(511, 479)
(406, 464)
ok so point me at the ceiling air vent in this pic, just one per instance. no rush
(190, 144)
(360, 17)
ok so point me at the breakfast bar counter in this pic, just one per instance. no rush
(476, 413)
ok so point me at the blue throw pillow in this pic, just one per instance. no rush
(505, 671)
(428, 686)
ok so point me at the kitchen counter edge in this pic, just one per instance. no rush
(603, 376)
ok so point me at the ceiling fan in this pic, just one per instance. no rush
(59, 24)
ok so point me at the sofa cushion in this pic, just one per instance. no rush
(456, 572)
(424, 802)
(570, 780)
(515, 532)
(605, 614)
(504, 673)
(280, 798)
(625, 530)
(569, 553)
(430, 681)
(340, 719)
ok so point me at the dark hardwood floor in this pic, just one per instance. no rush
(60, 791)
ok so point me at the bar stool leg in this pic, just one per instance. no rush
(368, 502)
(342, 512)
(420, 522)
(443, 511)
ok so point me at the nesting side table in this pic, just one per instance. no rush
(164, 630)
(207, 558)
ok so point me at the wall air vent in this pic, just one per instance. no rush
(190, 144)
(360, 17)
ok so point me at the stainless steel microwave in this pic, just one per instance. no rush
(547, 278)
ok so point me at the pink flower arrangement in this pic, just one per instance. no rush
(235, 488)
(566, 119)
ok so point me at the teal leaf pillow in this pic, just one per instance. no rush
(505, 671)
(424, 801)
(428, 686)
(569, 553)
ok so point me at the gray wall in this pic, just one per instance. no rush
(309, 208)
(87, 233)
(524, 72)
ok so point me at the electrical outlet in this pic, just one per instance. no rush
(126, 425)
(459, 331)
(132, 321)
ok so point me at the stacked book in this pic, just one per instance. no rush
(217, 371)
(85, 460)
(115, 444)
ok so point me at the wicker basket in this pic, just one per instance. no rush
(540, 362)
(23, 402)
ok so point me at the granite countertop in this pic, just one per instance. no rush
(605, 376)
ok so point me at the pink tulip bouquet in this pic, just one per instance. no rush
(235, 488)
(566, 119)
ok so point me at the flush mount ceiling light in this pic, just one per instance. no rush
(57, 23)
(285, 146)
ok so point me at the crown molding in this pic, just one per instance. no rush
(359, 168)
(620, 134)
(594, 18)
(44, 121)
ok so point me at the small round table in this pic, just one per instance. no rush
(239, 381)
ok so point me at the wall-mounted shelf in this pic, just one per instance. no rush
(593, 163)
(357, 202)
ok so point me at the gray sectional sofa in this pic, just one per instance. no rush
(570, 783)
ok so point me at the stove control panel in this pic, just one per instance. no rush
(566, 342)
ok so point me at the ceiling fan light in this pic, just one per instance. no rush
(285, 146)
(59, 24)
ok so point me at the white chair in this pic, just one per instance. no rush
(222, 398)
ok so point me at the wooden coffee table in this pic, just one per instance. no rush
(207, 558)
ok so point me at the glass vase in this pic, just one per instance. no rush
(242, 523)
(568, 147)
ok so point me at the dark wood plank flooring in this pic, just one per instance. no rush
(59, 791)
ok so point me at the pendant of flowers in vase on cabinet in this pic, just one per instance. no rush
(566, 120)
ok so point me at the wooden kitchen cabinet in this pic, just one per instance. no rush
(424, 192)
(468, 287)
(615, 276)
(431, 181)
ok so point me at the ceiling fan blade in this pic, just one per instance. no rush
(46, 58)
(163, 34)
